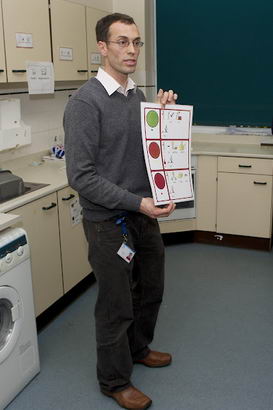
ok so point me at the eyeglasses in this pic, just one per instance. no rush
(126, 43)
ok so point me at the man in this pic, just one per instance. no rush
(105, 165)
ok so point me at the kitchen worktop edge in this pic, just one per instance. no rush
(34, 169)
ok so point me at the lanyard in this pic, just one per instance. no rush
(122, 222)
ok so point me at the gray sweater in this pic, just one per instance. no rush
(103, 150)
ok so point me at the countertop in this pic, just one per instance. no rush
(232, 145)
(51, 172)
(7, 220)
(234, 150)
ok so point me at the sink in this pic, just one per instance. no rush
(28, 187)
(33, 186)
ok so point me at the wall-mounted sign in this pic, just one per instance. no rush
(40, 76)
(66, 53)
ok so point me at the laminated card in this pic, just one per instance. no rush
(166, 138)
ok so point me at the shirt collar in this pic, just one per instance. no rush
(111, 85)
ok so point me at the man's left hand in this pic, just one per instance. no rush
(166, 97)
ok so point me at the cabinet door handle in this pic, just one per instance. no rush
(1, 71)
(19, 71)
(259, 183)
(68, 197)
(46, 208)
(93, 71)
(245, 166)
(82, 71)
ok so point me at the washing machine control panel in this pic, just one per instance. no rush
(14, 248)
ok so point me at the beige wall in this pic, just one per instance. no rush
(44, 114)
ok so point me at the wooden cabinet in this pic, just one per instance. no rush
(92, 16)
(74, 246)
(69, 40)
(28, 19)
(59, 250)
(33, 30)
(245, 165)
(3, 75)
(40, 220)
(244, 198)
(234, 196)
(206, 193)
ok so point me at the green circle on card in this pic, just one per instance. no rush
(152, 118)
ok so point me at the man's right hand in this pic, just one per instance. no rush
(148, 208)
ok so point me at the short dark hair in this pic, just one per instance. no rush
(103, 25)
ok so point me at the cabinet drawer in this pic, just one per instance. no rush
(244, 165)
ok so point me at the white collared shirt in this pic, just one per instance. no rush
(111, 85)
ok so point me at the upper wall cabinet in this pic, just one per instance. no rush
(94, 57)
(27, 35)
(68, 40)
(3, 75)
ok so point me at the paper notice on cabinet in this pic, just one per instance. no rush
(95, 58)
(166, 138)
(40, 77)
(24, 40)
(66, 54)
(75, 212)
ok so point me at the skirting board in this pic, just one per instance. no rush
(238, 241)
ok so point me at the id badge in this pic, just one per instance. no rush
(126, 253)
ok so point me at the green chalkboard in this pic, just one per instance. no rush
(218, 56)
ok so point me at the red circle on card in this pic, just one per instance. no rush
(159, 181)
(154, 150)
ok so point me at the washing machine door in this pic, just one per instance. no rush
(11, 319)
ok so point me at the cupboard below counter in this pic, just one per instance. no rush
(234, 200)
(58, 245)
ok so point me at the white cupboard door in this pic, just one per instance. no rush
(27, 35)
(94, 57)
(69, 40)
(3, 73)
(206, 193)
(73, 242)
(40, 220)
(244, 204)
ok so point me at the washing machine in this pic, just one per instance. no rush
(19, 357)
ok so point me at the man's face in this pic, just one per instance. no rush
(119, 61)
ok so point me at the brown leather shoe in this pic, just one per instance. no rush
(130, 398)
(155, 359)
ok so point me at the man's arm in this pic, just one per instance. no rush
(148, 207)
